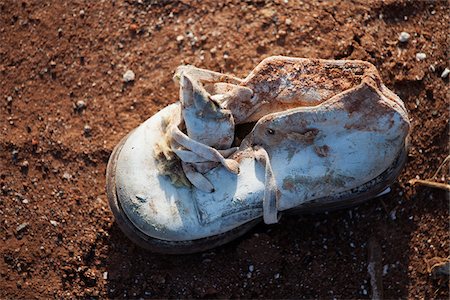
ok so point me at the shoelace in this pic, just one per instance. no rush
(197, 158)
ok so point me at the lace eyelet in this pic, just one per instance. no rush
(270, 131)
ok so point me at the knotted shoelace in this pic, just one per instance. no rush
(197, 159)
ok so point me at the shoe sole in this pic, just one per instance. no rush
(339, 201)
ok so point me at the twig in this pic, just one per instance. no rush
(437, 185)
(440, 167)
(374, 268)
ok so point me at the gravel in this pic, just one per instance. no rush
(420, 56)
(87, 130)
(445, 73)
(80, 105)
(21, 227)
(129, 76)
(404, 37)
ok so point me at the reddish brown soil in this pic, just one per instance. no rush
(52, 174)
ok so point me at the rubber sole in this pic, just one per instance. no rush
(339, 201)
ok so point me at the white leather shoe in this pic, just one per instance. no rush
(295, 135)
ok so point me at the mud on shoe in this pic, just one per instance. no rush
(294, 135)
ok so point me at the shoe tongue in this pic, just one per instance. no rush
(204, 109)
(205, 120)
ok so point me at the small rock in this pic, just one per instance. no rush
(54, 223)
(87, 130)
(129, 76)
(288, 22)
(82, 13)
(393, 215)
(385, 270)
(25, 201)
(268, 12)
(53, 63)
(251, 268)
(420, 56)
(445, 73)
(404, 37)
(66, 176)
(24, 165)
(15, 155)
(9, 99)
(276, 276)
(105, 275)
(180, 38)
(21, 227)
(80, 105)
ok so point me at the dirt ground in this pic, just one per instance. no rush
(64, 106)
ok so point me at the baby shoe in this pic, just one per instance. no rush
(295, 135)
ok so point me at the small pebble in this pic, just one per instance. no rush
(421, 56)
(87, 130)
(80, 105)
(288, 22)
(385, 270)
(129, 76)
(276, 276)
(25, 201)
(445, 73)
(393, 215)
(82, 13)
(21, 227)
(251, 268)
(404, 37)
(180, 38)
(54, 223)
(105, 275)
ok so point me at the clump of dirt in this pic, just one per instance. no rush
(65, 105)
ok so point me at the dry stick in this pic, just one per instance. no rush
(440, 167)
(374, 268)
(433, 184)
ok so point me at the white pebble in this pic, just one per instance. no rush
(105, 275)
(445, 73)
(288, 22)
(251, 268)
(404, 37)
(129, 76)
(385, 270)
(393, 215)
(180, 38)
(276, 276)
(54, 223)
(420, 56)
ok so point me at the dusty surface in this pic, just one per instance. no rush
(58, 236)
